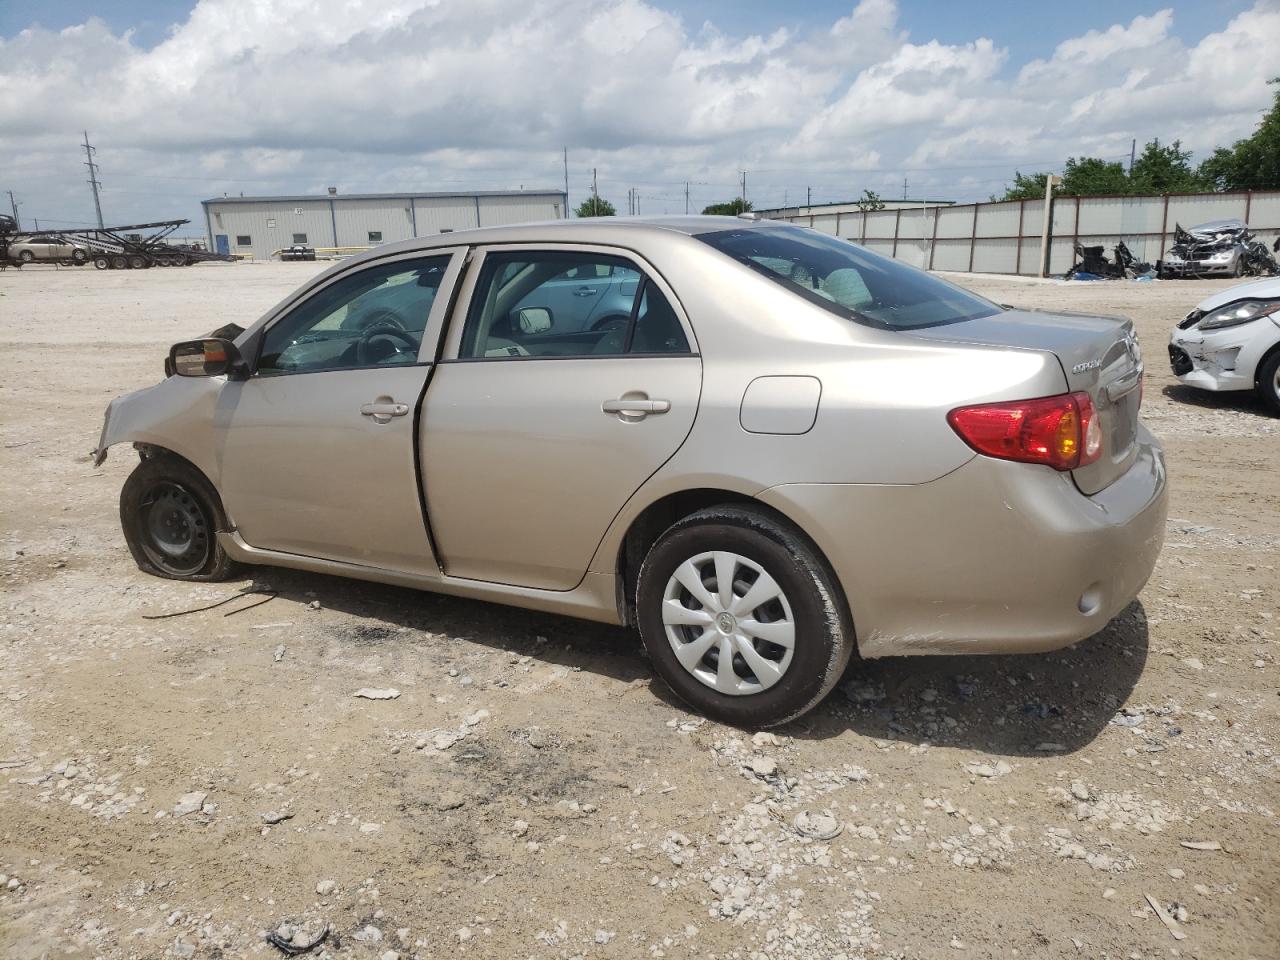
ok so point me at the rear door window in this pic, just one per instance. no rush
(565, 304)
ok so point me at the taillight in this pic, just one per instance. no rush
(1061, 432)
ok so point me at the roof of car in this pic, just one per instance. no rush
(610, 231)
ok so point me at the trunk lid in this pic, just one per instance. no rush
(1099, 355)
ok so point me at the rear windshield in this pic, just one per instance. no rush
(848, 280)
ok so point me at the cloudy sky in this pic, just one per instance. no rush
(192, 100)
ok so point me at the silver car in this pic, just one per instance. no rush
(791, 449)
(49, 249)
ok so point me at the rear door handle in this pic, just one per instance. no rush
(636, 407)
(585, 292)
(384, 409)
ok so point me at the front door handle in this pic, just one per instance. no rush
(635, 408)
(383, 409)
(585, 292)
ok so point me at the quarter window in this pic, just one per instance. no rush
(373, 317)
(563, 304)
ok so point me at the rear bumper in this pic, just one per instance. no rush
(995, 557)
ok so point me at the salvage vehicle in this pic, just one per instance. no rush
(47, 249)
(1231, 341)
(1217, 248)
(793, 447)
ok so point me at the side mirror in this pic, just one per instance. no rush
(210, 357)
(534, 319)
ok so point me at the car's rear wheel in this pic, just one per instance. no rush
(1269, 382)
(79, 256)
(742, 618)
(171, 515)
(26, 256)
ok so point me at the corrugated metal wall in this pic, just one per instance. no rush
(269, 225)
(1004, 236)
(349, 221)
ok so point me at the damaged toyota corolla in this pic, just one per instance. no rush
(784, 448)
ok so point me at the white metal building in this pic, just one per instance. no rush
(259, 226)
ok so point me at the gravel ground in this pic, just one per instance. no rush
(181, 787)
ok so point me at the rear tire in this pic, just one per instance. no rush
(79, 256)
(119, 263)
(101, 263)
(171, 516)
(786, 652)
(137, 262)
(1269, 382)
(26, 256)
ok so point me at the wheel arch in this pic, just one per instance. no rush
(1270, 352)
(648, 525)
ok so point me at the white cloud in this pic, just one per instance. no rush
(292, 95)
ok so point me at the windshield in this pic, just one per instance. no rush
(848, 280)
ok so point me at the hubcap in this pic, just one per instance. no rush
(729, 623)
(175, 531)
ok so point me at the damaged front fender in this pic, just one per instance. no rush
(176, 414)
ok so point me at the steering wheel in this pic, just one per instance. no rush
(385, 330)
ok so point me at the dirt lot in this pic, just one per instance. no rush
(532, 794)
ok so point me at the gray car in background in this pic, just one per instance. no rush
(764, 447)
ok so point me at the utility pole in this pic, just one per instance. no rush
(13, 204)
(566, 183)
(808, 197)
(686, 198)
(904, 188)
(595, 195)
(1051, 181)
(1133, 152)
(744, 189)
(89, 151)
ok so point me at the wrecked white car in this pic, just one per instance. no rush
(1231, 341)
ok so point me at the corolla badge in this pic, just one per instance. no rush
(1087, 365)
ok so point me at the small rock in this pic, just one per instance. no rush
(370, 693)
(464, 934)
(326, 887)
(475, 718)
(390, 955)
(764, 767)
(368, 934)
(1079, 790)
(1193, 662)
(443, 741)
(313, 605)
(279, 653)
(765, 739)
(1176, 873)
(183, 949)
(520, 828)
(370, 827)
(449, 800)
(189, 803)
(537, 740)
(1108, 893)
(274, 816)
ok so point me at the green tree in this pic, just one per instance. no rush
(1091, 177)
(1165, 169)
(1024, 187)
(870, 201)
(731, 209)
(595, 207)
(1251, 164)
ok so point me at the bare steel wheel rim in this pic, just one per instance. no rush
(175, 530)
(729, 623)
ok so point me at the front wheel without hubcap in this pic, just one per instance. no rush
(742, 617)
(171, 516)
